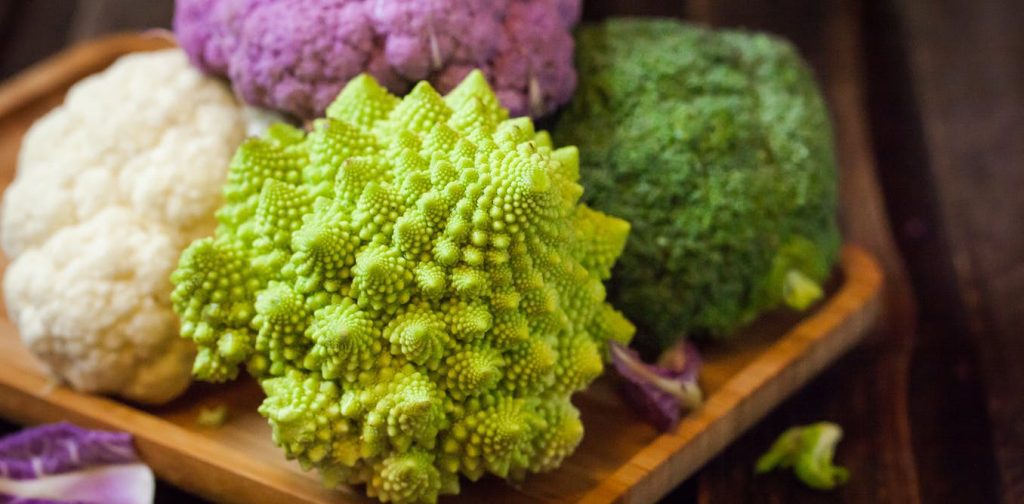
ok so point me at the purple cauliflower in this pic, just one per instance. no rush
(661, 392)
(295, 55)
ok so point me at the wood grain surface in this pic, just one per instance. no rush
(621, 459)
(970, 92)
(826, 34)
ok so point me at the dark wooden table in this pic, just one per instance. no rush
(933, 183)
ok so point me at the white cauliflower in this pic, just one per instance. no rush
(92, 303)
(110, 187)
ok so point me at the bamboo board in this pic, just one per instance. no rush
(621, 459)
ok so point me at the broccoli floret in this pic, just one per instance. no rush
(212, 416)
(808, 450)
(717, 146)
(416, 287)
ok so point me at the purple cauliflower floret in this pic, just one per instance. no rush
(295, 55)
(661, 392)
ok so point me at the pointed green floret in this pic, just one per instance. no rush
(416, 286)
(362, 103)
(473, 90)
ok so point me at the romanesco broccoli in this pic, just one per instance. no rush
(717, 146)
(415, 285)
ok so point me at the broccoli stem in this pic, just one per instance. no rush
(809, 451)
(799, 291)
(815, 467)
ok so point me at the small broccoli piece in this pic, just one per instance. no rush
(808, 450)
(717, 146)
(416, 287)
(212, 416)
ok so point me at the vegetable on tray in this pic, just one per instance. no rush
(415, 285)
(110, 187)
(295, 55)
(660, 393)
(212, 416)
(717, 147)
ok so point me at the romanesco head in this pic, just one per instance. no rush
(416, 286)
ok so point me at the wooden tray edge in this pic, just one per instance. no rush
(747, 397)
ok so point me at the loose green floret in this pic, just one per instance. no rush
(212, 416)
(808, 450)
(416, 287)
(717, 146)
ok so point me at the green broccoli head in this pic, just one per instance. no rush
(416, 286)
(717, 146)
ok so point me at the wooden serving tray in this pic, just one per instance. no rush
(621, 458)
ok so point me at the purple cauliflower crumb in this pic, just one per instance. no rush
(295, 55)
(660, 393)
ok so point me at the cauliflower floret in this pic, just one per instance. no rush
(150, 133)
(110, 187)
(93, 304)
